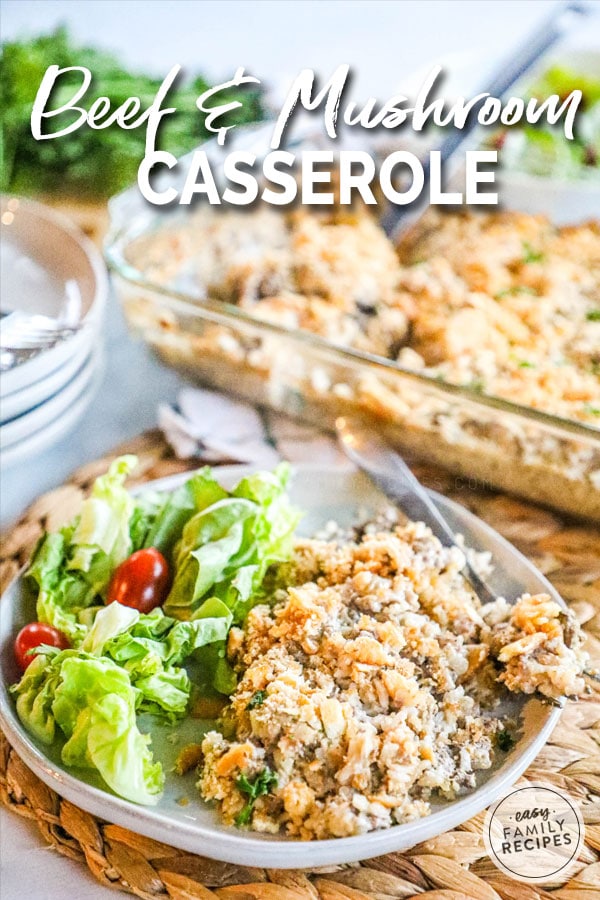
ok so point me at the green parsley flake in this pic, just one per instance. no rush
(262, 784)
(530, 255)
(477, 385)
(504, 741)
(256, 699)
(514, 290)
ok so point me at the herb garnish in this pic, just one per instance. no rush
(530, 255)
(257, 699)
(515, 289)
(477, 385)
(262, 784)
(504, 740)
(92, 162)
(593, 315)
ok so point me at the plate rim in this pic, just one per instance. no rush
(230, 847)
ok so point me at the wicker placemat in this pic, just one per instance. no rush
(450, 867)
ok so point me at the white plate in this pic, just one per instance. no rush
(48, 435)
(325, 493)
(23, 426)
(48, 267)
(22, 401)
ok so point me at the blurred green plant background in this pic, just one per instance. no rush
(88, 162)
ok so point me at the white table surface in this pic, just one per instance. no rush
(274, 39)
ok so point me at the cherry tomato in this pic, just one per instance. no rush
(31, 636)
(141, 581)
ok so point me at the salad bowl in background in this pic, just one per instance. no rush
(566, 198)
(562, 196)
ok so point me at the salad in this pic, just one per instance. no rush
(544, 150)
(126, 595)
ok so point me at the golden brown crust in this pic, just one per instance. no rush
(367, 687)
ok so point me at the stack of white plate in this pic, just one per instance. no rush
(48, 268)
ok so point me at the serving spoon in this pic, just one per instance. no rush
(562, 18)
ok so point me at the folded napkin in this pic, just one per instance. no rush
(215, 428)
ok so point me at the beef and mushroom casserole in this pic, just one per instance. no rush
(370, 684)
(503, 305)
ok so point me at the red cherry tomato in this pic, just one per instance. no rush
(31, 636)
(141, 581)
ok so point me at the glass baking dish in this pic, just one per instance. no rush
(498, 443)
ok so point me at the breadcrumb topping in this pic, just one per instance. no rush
(502, 302)
(368, 687)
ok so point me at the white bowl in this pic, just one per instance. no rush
(49, 267)
(33, 443)
(52, 409)
(564, 201)
(19, 402)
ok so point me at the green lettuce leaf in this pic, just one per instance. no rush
(211, 544)
(60, 594)
(72, 568)
(170, 640)
(103, 526)
(95, 706)
(165, 693)
(35, 695)
(227, 547)
(152, 649)
(165, 530)
(93, 703)
(148, 506)
(110, 621)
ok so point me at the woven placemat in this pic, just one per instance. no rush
(453, 866)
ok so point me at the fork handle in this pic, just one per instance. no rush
(392, 475)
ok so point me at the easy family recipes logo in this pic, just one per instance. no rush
(534, 833)
(281, 177)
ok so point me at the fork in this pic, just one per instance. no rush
(386, 468)
(23, 336)
(392, 475)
